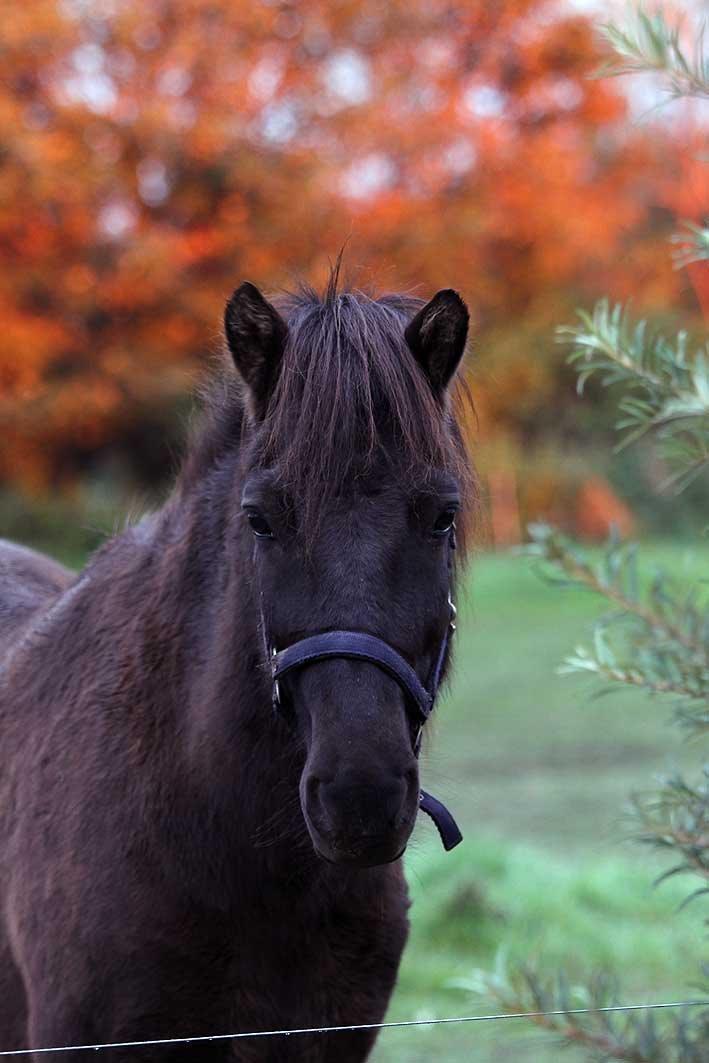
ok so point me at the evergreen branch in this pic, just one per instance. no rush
(608, 1047)
(583, 661)
(655, 639)
(648, 44)
(693, 244)
(615, 577)
(631, 1038)
(677, 818)
(667, 388)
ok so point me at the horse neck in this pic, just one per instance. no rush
(196, 661)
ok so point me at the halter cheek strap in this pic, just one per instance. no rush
(357, 645)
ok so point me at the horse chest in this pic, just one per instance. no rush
(337, 970)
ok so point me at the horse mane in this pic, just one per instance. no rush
(349, 394)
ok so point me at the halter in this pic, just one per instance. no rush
(420, 698)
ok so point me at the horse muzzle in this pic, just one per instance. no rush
(360, 822)
(419, 700)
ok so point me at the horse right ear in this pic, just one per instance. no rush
(256, 336)
(436, 337)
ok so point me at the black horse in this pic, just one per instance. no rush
(177, 858)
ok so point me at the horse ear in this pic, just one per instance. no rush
(256, 335)
(437, 336)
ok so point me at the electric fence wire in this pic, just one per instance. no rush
(360, 1026)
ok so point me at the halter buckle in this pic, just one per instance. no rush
(453, 613)
(417, 740)
(276, 685)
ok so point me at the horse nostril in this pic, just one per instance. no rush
(363, 808)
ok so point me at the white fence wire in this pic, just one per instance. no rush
(361, 1026)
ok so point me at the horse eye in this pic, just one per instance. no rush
(444, 521)
(259, 525)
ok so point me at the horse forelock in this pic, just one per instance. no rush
(350, 397)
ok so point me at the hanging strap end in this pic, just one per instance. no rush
(446, 826)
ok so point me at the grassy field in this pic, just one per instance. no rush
(538, 772)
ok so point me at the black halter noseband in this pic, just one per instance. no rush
(356, 645)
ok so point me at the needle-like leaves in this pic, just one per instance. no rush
(648, 43)
(665, 383)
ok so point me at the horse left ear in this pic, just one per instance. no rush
(437, 336)
(256, 335)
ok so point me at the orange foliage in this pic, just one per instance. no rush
(154, 154)
(599, 511)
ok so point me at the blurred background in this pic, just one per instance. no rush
(154, 154)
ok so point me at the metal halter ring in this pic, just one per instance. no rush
(276, 684)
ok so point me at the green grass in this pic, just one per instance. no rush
(537, 772)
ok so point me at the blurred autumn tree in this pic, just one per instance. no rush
(154, 154)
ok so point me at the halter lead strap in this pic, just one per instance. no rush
(447, 827)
